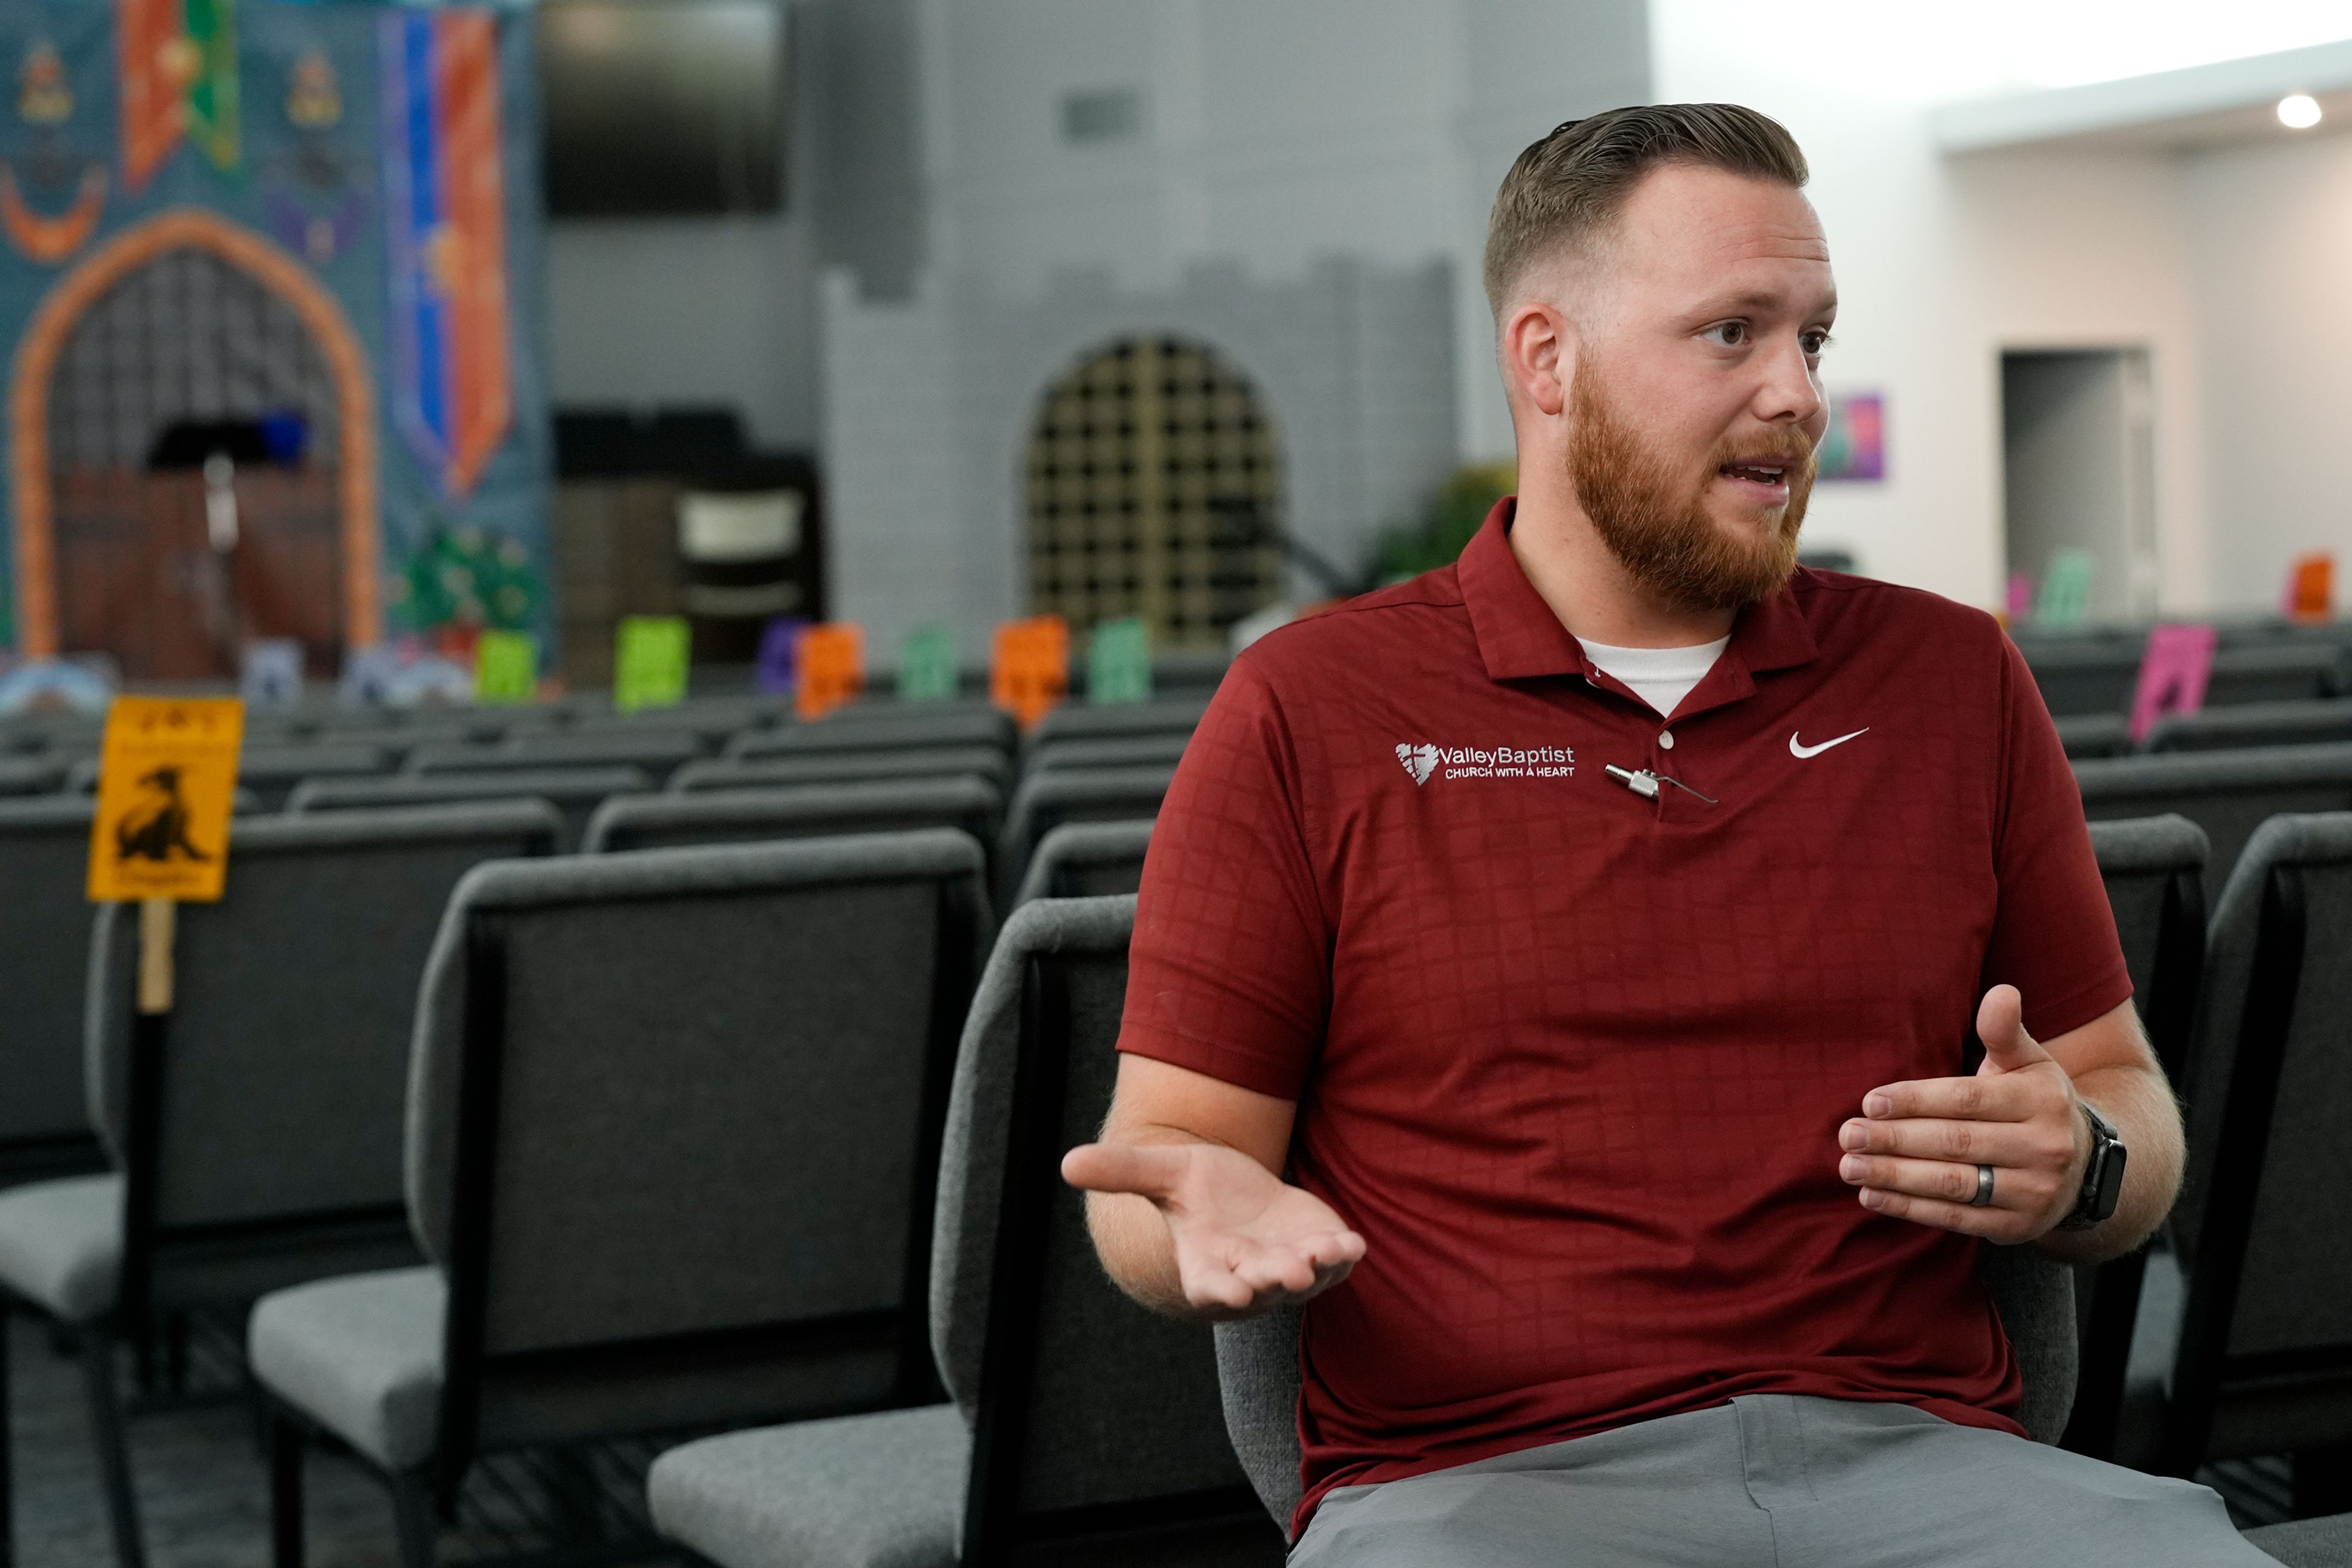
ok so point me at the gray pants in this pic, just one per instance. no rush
(1777, 1481)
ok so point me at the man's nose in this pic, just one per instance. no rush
(1791, 393)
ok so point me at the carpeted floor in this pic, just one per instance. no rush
(204, 1485)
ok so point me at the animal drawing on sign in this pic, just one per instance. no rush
(156, 827)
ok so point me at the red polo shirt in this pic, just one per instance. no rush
(1573, 1061)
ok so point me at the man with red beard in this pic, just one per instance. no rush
(1592, 932)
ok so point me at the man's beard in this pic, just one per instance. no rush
(1658, 526)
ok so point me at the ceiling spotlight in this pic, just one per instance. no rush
(2298, 111)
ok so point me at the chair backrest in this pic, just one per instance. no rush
(45, 960)
(2085, 735)
(2265, 1223)
(1080, 1399)
(1099, 721)
(658, 751)
(575, 793)
(1086, 861)
(278, 1095)
(30, 775)
(672, 1131)
(2227, 793)
(1047, 800)
(989, 763)
(802, 811)
(2254, 724)
(2154, 871)
(1165, 747)
(2085, 675)
(885, 730)
(2154, 868)
(2276, 672)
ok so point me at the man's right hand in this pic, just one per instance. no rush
(1245, 1239)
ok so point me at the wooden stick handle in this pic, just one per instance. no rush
(158, 918)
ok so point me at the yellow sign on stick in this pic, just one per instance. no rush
(165, 781)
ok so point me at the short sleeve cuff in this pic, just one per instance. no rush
(2046, 1018)
(1220, 1061)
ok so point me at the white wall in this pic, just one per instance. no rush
(1941, 263)
(2270, 257)
(1274, 133)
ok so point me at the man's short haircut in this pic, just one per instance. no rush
(1569, 186)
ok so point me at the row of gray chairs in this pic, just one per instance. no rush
(2089, 677)
(763, 1031)
(2248, 724)
(251, 1135)
(2227, 793)
(1073, 1416)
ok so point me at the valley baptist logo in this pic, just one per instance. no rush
(1423, 759)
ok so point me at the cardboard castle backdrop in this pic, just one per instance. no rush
(320, 220)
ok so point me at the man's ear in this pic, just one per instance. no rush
(1538, 352)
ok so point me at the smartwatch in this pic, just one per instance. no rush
(2102, 1178)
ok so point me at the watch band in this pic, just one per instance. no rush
(2103, 1177)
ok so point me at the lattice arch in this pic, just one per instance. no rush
(1154, 483)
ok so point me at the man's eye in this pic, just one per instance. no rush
(1815, 342)
(1730, 334)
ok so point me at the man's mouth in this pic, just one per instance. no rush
(1768, 471)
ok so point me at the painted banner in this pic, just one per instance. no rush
(444, 237)
(177, 74)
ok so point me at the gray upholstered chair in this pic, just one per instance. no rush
(2275, 672)
(45, 958)
(660, 751)
(1102, 721)
(880, 728)
(2254, 724)
(272, 772)
(672, 1138)
(1045, 801)
(2154, 871)
(258, 1139)
(2227, 793)
(990, 762)
(2084, 674)
(1072, 1410)
(800, 811)
(1161, 747)
(575, 793)
(1086, 860)
(23, 776)
(2242, 1353)
(2086, 735)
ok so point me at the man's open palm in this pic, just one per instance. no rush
(1245, 1240)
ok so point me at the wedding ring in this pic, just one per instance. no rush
(1984, 1187)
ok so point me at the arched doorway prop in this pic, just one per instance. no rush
(240, 286)
(1154, 486)
(83, 405)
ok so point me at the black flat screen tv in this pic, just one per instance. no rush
(664, 107)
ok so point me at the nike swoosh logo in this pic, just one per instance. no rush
(1802, 752)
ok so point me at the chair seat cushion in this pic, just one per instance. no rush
(2308, 1542)
(361, 1356)
(885, 1490)
(61, 1245)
